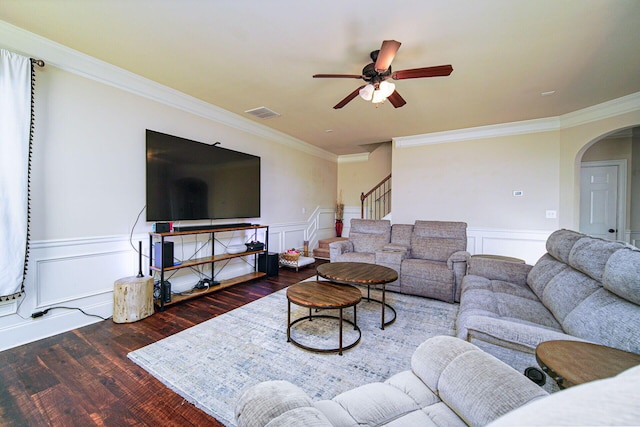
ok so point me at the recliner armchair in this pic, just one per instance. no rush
(366, 236)
(437, 260)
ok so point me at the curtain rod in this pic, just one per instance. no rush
(38, 62)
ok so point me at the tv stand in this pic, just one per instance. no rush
(209, 227)
(214, 285)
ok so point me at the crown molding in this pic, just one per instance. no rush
(616, 107)
(481, 132)
(354, 158)
(29, 44)
(605, 110)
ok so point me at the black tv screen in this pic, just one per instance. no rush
(189, 180)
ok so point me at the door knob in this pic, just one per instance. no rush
(611, 230)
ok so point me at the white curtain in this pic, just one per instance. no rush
(15, 125)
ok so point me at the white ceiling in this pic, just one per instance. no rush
(243, 54)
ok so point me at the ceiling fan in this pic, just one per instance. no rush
(377, 72)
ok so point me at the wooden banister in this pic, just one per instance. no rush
(377, 200)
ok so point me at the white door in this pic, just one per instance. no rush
(599, 201)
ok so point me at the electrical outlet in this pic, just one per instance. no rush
(551, 214)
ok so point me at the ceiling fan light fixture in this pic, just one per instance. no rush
(366, 92)
(378, 97)
(387, 88)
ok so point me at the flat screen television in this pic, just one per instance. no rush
(189, 180)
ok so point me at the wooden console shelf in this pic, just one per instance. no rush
(176, 298)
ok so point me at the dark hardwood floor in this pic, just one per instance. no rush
(84, 378)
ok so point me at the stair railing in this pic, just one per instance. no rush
(376, 203)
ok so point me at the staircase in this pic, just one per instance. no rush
(376, 204)
(322, 251)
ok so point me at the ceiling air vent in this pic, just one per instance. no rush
(262, 113)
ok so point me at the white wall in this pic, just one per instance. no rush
(470, 175)
(473, 181)
(88, 184)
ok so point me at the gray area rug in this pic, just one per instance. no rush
(212, 363)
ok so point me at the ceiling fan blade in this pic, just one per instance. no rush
(416, 73)
(337, 76)
(396, 100)
(387, 53)
(349, 97)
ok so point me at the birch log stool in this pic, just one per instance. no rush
(132, 299)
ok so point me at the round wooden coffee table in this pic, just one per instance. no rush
(321, 296)
(361, 273)
(571, 363)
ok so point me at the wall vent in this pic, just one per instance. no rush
(262, 113)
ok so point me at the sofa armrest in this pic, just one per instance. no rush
(394, 257)
(338, 248)
(280, 402)
(478, 387)
(510, 334)
(496, 269)
(459, 256)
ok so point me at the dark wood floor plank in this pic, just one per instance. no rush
(84, 377)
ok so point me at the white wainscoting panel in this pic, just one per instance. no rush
(526, 245)
(75, 273)
(81, 272)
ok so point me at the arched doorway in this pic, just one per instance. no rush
(609, 197)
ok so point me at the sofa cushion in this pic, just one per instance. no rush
(427, 270)
(622, 274)
(566, 290)
(369, 235)
(560, 243)
(435, 249)
(374, 403)
(364, 242)
(606, 319)
(431, 279)
(274, 397)
(484, 300)
(541, 274)
(461, 376)
(441, 229)
(437, 240)
(401, 234)
(590, 255)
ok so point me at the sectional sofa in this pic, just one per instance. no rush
(451, 383)
(583, 288)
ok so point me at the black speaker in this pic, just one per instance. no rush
(161, 227)
(268, 263)
(163, 256)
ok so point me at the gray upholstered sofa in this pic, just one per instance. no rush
(451, 383)
(429, 256)
(583, 288)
